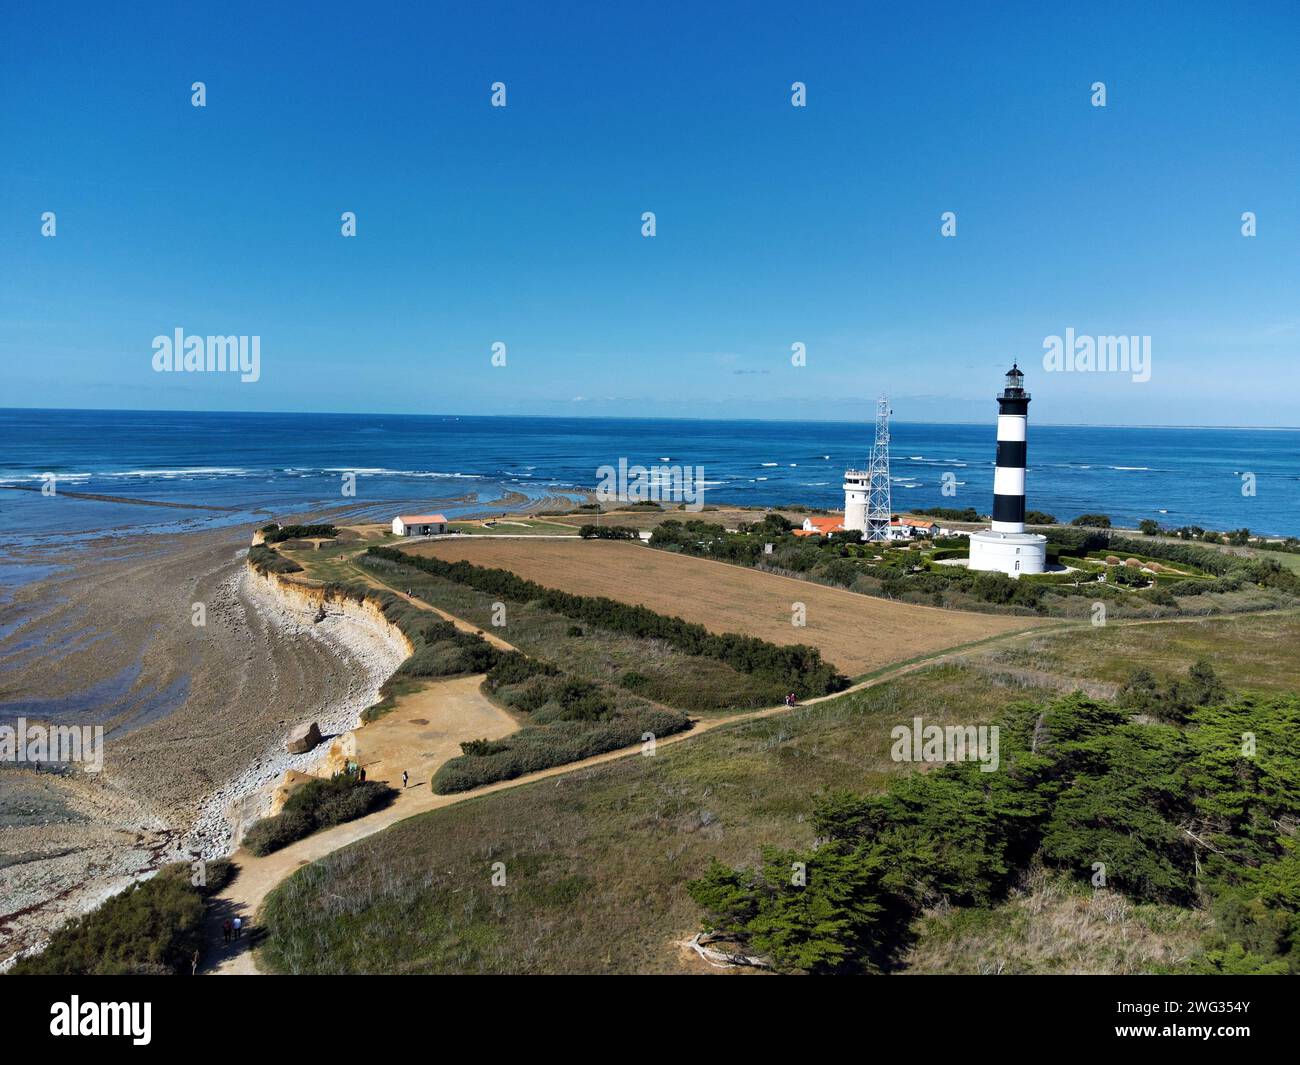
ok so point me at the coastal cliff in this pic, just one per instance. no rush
(355, 630)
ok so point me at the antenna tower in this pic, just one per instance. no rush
(879, 506)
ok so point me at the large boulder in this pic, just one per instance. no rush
(303, 738)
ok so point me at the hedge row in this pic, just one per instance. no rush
(273, 534)
(609, 532)
(543, 746)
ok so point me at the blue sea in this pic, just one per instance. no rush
(262, 465)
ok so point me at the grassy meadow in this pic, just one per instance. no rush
(596, 862)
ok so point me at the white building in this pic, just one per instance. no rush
(419, 525)
(857, 486)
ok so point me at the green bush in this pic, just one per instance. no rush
(448, 652)
(540, 747)
(840, 571)
(153, 927)
(1177, 700)
(273, 534)
(317, 804)
(272, 833)
(514, 668)
(267, 560)
(482, 748)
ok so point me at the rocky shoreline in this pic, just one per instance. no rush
(195, 716)
(372, 648)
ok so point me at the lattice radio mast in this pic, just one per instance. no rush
(880, 510)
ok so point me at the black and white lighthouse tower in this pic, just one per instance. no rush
(1006, 547)
(1009, 479)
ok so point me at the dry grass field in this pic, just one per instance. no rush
(858, 633)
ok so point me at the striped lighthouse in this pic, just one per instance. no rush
(1006, 547)
(1009, 479)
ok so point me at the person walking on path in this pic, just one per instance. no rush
(239, 924)
(225, 930)
(362, 773)
(404, 778)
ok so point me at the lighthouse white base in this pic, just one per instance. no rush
(1009, 553)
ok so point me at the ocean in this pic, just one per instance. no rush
(255, 466)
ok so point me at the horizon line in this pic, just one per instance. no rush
(632, 418)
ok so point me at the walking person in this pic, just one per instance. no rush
(362, 774)
(239, 924)
(404, 778)
(225, 930)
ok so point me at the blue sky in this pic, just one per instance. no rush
(776, 224)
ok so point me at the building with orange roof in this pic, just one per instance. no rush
(419, 525)
(822, 526)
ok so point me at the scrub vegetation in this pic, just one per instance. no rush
(153, 928)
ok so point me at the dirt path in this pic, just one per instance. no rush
(257, 877)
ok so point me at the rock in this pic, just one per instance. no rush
(303, 738)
